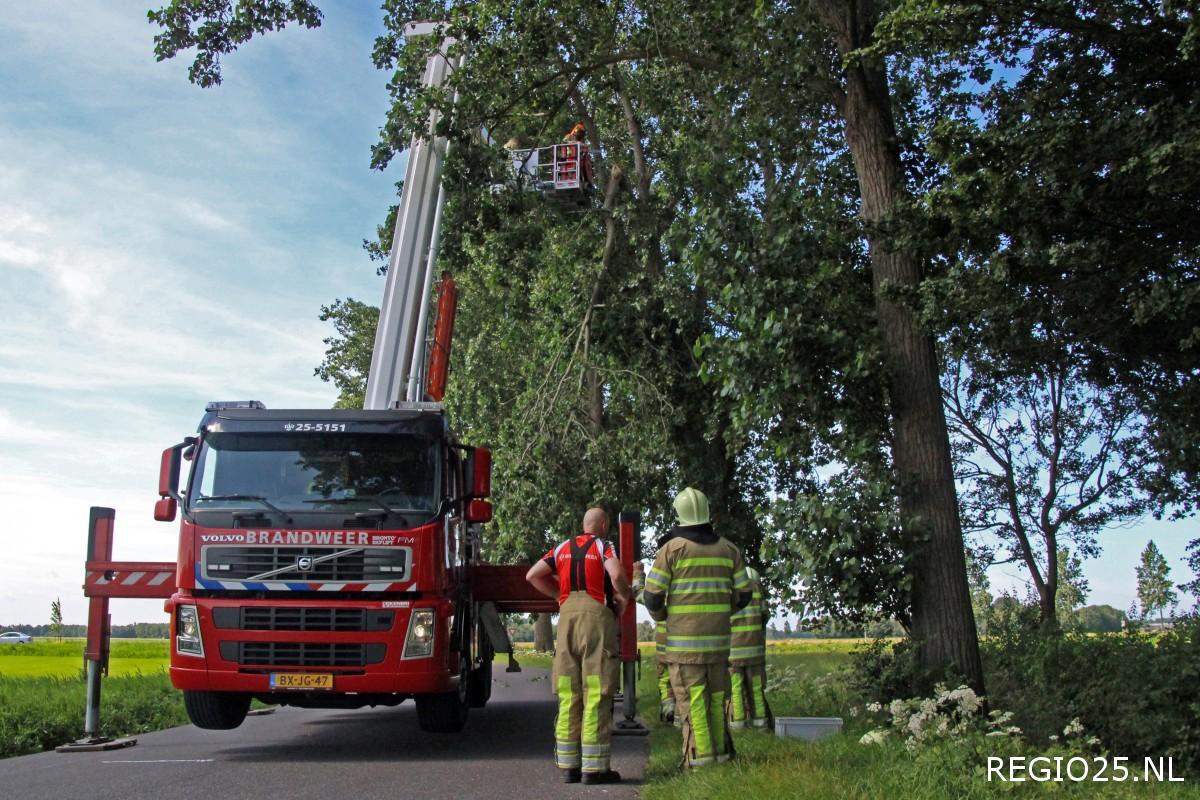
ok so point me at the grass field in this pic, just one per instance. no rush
(42, 694)
(64, 659)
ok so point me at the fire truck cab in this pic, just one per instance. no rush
(325, 560)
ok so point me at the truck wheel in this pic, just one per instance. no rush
(480, 689)
(442, 713)
(216, 711)
(446, 713)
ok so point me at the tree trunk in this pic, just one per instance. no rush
(943, 625)
(543, 633)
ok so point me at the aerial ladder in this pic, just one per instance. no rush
(408, 377)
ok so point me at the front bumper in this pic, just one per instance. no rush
(233, 656)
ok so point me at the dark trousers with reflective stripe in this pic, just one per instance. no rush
(585, 678)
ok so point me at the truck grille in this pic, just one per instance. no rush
(302, 654)
(269, 618)
(358, 564)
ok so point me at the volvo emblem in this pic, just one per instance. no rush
(304, 563)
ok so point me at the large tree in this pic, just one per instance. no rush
(1045, 460)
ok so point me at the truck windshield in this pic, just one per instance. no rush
(316, 472)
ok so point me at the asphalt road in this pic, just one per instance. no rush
(506, 751)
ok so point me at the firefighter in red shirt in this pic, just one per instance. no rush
(586, 578)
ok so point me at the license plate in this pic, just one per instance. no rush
(301, 680)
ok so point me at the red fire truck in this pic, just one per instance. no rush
(326, 560)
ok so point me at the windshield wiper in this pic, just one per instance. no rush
(252, 497)
(339, 501)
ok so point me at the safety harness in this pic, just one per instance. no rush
(579, 568)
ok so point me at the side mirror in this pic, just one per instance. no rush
(479, 473)
(168, 473)
(168, 480)
(479, 512)
(165, 508)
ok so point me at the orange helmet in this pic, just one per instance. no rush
(577, 134)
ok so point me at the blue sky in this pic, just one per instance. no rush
(163, 245)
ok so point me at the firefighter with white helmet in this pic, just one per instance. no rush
(697, 580)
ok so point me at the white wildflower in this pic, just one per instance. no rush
(1074, 728)
(854, 711)
(1053, 738)
(874, 708)
(873, 737)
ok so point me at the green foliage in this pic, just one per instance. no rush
(218, 27)
(882, 671)
(1154, 588)
(56, 621)
(348, 354)
(1139, 694)
(1100, 619)
(1193, 562)
(1065, 140)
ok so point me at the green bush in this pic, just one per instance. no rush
(882, 671)
(1139, 694)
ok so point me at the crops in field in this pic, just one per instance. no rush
(42, 693)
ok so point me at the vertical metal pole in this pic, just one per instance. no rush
(100, 547)
(91, 717)
(629, 525)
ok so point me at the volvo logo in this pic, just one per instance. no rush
(304, 563)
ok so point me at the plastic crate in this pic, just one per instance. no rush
(808, 728)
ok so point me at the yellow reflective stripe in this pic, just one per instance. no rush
(718, 722)
(706, 561)
(566, 750)
(698, 716)
(591, 709)
(745, 628)
(737, 709)
(741, 580)
(702, 608)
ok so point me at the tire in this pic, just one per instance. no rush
(480, 689)
(216, 711)
(442, 713)
(447, 713)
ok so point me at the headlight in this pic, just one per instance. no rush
(419, 642)
(187, 631)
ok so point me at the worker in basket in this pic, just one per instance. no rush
(574, 161)
(586, 578)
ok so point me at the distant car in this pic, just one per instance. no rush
(14, 637)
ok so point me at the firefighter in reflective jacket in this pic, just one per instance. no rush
(748, 662)
(586, 578)
(697, 581)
